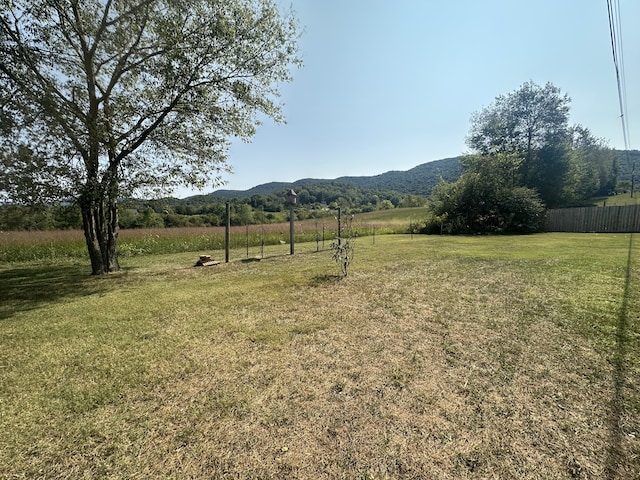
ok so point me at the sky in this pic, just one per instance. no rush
(389, 85)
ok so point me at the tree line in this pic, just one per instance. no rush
(525, 157)
(315, 201)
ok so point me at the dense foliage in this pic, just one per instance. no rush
(563, 163)
(628, 170)
(253, 207)
(486, 199)
(526, 157)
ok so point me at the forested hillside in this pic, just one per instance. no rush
(266, 203)
(419, 180)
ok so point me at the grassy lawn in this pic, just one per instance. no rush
(437, 357)
(622, 199)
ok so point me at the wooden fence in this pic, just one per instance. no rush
(615, 219)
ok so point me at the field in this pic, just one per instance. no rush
(46, 246)
(436, 358)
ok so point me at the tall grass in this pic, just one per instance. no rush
(42, 246)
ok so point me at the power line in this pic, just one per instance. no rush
(615, 31)
(613, 8)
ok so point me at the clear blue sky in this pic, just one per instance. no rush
(388, 85)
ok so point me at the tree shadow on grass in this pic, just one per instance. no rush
(319, 280)
(616, 452)
(26, 288)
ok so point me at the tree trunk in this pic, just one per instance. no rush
(100, 224)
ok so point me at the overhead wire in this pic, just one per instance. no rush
(615, 31)
(623, 76)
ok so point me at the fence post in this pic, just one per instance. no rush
(339, 225)
(227, 234)
(292, 238)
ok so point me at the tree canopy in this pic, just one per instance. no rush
(563, 163)
(525, 157)
(528, 119)
(103, 98)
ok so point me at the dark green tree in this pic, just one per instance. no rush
(594, 167)
(523, 121)
(533, 123)
(486, 199)
(102, 99)
(562, 163)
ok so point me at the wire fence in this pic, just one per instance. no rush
(244, 241)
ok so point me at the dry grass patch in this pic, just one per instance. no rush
(438, 358)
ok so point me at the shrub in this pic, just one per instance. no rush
(473, 205)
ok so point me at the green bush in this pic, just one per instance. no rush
(472, 205)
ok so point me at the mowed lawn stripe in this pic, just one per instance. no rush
(438, 357)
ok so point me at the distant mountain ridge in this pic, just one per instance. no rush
(419, 180)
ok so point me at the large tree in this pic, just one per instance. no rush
(563, 163)
(532, 122)
(525, 120)
(105, 98)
